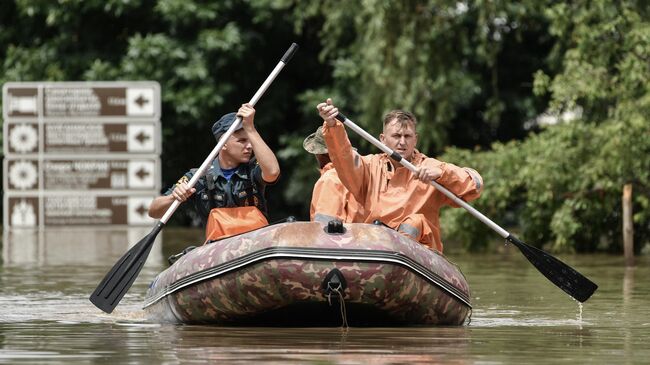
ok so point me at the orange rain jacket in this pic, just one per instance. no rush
(392, 194)
(331, 200)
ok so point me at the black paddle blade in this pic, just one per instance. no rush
(559, 273)
(117, 282)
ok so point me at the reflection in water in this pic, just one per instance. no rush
(519, 317)
(122, 343)
(356, 346)
(628, 291)
(628, 284)
(73, 245)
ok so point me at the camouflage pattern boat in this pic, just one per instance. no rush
(311, 274)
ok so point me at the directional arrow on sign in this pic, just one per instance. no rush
(142, 137)
(141, 101)
(142, 210)
(138, 210)
(142, 174)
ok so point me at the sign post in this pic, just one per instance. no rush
(80, 153)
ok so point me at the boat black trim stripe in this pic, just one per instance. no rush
(316, 254)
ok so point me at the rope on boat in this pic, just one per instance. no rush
(344, 313)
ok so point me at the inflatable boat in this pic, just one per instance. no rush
(311, 274)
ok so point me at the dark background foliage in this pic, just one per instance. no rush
(482, 77)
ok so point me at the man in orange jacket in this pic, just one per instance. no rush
(330, 199)
(388, 191)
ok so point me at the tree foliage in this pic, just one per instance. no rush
(209, 57)
(564, 185)
(449, 62)
(477, 74)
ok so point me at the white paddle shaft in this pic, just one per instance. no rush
(208, 161)
(396, 156)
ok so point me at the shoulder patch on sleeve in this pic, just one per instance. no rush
(183, 179)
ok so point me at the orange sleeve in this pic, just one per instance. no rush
(464, 182)
(316, 196)
(328, 198)
(353, 171)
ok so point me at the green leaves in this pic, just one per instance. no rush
(606, 62)
(474, 73)
(566, 189)
(569, 179)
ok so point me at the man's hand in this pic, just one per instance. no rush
(182, 192)
(328, 111)
(428, 174)
(247, 113)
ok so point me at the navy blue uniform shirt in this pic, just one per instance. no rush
(244, 188)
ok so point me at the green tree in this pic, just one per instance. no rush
(209, 57)
(465, 69)
(451, 63)
(477, 74)
(564, 185)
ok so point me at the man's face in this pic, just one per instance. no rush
(400, 137)
(238, 147)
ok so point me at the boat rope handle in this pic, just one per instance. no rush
(344, 313)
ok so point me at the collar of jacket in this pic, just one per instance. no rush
(418, 157)
(242, 170)
(326, 168)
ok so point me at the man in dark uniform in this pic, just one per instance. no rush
(235, 179)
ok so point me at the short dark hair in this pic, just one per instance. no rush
(403, 117)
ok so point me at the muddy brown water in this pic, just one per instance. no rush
(519, 317)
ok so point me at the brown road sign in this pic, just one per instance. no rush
(87, 174)
(21, 138)
(77, 152)
(24, 138)
(26, 211)
(108, 137)
(22, 212)
(70, 100)
(21, 101)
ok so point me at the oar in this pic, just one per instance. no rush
(119, 279)
(559, 273)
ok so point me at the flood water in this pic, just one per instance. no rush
(519, 317)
